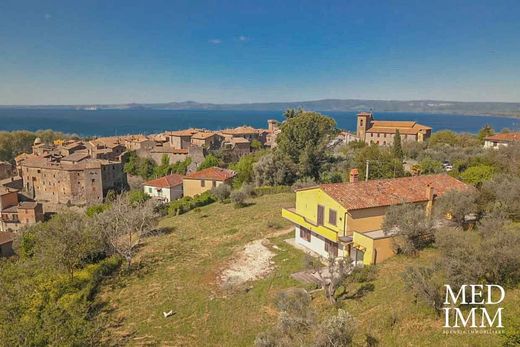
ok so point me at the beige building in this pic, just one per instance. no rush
(199, 182)
(207, 140)
(15, 214)
(383, 132)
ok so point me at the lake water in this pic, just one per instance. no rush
(119, 122)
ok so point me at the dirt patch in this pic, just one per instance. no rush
(252, 263)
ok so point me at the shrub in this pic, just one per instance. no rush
(238, 198)
(364, 274)
(221, 192)
(96, 209)
(422, 282)
(268, 190)
(477, 175)
(188, 203)
(412, 227)
(336, 330)
(248, 189)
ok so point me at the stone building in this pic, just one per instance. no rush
(73, 180)
(383, 132)
(15, 214)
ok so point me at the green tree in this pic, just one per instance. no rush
(209, 161)
(398, 149)
(244, 168)
(413, 229)
(486, 131)
(444, 137)
(181, 167)
(457, 205)
(478, 174)
(256, 145)
(65, 241)
(303, 141)
(430, 166)
(382, 163)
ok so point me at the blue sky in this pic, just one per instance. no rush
(89, 51)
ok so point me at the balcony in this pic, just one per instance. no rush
(291, 215)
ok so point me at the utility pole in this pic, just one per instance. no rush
(366, 172)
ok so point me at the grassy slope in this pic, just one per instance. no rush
(415, 323)
(179, 271)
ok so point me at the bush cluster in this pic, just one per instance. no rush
(188, 203)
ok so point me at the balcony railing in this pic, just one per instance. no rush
(293, 216)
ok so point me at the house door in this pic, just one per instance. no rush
(321, 214)
(359, 256)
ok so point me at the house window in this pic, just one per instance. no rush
(332, 217)
(361, 122)
(305, 234)
(150, 190)
(321, 212)
(202, 183)
(331, 248)
(214, 184)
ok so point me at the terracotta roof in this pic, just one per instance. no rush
(6, 237)
(241, 130)
(239, 140)
(27, 205)
(6, 190)
(391, 124)
(404, 127)
(165, 181)
(506, 137)
(212, 173)
(386, 192)
(185, 132)
(203, 135)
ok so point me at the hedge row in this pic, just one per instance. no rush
(188, 203)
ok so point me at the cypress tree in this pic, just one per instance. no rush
(398, 149)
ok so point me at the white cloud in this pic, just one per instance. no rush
(215, 41)
(243, 38)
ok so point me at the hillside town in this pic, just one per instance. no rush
(345, 203)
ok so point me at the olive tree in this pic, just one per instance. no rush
(124, 225)
(412, 228)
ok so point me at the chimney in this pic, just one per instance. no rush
(429, 192)
(354, 175)
(429, 196)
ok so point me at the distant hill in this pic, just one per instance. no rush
(347, 105)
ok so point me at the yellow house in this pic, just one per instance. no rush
(201, 181)
(345, 219)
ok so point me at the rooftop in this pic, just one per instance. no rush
(6, 190)
(203, 135)
(241, 130)
(386, 192)
(27, 205)
(184, 133)
(506, 137)
(212, 173)
(165, 181)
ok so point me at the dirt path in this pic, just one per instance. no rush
(252, 263)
